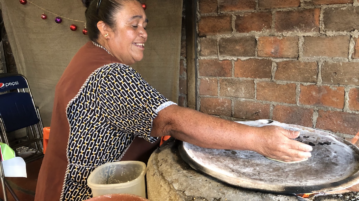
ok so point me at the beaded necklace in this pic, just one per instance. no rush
(100, 46)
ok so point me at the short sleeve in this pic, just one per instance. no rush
(129, 103)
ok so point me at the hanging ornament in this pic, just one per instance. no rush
(84, 31)
(144, 6)
(73, 27)
(58, 20)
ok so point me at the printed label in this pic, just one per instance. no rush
(2, 85)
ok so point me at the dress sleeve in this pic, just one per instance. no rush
(129, 103)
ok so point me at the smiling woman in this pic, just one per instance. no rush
(101, 104)
(107, 103)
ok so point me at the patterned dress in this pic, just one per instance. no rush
(111, 107)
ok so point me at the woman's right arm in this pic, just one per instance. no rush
(211, 132)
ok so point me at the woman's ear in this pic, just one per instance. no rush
(103, 28)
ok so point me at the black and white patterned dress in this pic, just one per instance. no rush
(113, 106)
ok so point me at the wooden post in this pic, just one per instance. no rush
(191, 54)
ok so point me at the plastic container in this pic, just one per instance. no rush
(126, 177)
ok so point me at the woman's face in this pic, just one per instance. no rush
(127, 40)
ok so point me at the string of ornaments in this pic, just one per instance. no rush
(58, 18)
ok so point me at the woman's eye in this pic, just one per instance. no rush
(134, 26)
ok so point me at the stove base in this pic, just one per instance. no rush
(170, 178)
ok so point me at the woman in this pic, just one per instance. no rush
(101, 104)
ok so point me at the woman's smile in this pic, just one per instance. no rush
(140, 45)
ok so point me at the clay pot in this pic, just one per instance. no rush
(118, 197)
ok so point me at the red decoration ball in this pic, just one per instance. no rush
(23, 1)
(73, 27)
(84, 31)
(144, 6)
(44, 16)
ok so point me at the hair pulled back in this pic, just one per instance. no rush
(104, 12)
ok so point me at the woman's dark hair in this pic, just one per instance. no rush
(100, 10)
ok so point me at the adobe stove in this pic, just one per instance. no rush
(218, 175)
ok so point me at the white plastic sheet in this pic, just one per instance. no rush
(15, 167)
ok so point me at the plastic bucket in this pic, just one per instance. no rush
(127, 177)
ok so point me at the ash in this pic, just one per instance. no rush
(352, 196)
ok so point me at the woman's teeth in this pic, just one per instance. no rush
(140, 44)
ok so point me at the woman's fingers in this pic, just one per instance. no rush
(290, 155)
(295, 144)
(300, 146)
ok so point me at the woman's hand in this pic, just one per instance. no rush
(277, 143)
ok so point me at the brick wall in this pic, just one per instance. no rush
(295, 61)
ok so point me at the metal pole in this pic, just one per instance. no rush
(4, 135)
(10, 190)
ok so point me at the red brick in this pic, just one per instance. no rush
(336, 46)
(297, 71)
(321, 2)
(183, 70)
(215, 25)
(253, 68)
(182, 101)
(345, 73)
(208, 47)
(236, 5)
(265, 4)
(251, 110)
(208, 6)
(182, 85)
(237, 46)
(278, 47)
(208, 86)
(356, 49)
(270, 91)
(302, 20)
(216, 106)
(338, 122)
(322, 96)
(341, 19)
(354, 99)
(237, 88)
(215, 68)
(253, 22)
(293, 115)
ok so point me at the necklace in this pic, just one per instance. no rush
(100, 46)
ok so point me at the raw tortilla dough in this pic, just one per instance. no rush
(287, 162)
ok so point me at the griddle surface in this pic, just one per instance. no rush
(334, 163)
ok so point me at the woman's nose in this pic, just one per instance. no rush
(143, 33)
